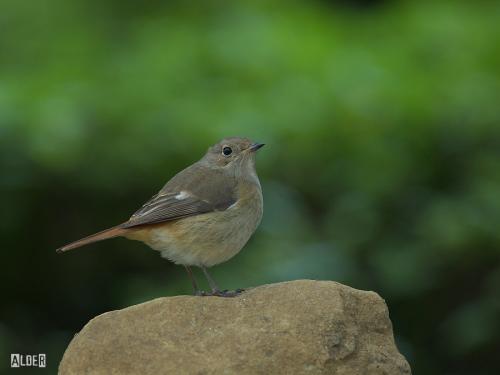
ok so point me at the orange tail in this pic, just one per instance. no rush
(103, 235)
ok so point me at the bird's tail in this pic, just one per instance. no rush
(103, 235)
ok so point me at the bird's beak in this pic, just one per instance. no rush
(255, 146)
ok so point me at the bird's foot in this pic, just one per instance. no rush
(220, 293)
(228, 293)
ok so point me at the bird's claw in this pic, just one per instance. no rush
(220, 293)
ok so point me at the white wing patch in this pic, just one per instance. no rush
(182, 195)
(234, 205)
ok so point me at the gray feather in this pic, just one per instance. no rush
(207, 190)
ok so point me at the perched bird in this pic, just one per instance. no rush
(203, 216)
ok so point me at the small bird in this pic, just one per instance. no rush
(203, 216)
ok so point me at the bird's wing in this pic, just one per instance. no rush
(165, 207)
(192, 192)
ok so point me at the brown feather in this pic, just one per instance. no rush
(103, 235)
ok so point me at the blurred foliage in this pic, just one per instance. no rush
(382, 169)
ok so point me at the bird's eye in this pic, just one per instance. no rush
(226, 150)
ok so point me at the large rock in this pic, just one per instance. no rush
(298, 327)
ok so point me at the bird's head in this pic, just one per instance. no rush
(233, 152)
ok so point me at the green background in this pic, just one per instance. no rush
(381, 169)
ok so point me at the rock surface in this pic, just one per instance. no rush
(297, 327)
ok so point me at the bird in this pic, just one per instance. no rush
(203, 216)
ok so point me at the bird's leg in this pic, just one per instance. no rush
(197, 291)
(211, 282)
(215, 290)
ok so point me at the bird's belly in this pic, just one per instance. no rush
(203, 240)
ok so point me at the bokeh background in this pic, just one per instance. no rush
(381, 170)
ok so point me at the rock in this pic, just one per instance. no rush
(297, 327)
